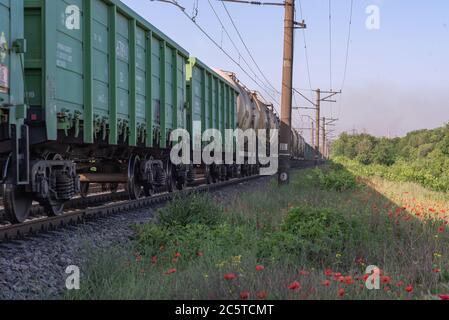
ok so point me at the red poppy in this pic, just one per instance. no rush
(260, 268)
(441, 229)
(177, 255)
(154, 259)
(349, 280)
(244, 295)
(444, 297)
(199, 254)
(409, 289)
(385, 280)
(399, 284)
(170, 271)
(262, 295)
(303, 272)
(436, 270)
(294, 285)
(341, 292)
(326, 283)
(230, 276)
(387, 289)
(328, 272)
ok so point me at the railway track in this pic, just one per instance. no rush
(101, 205)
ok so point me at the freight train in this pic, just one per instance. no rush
(90, 92)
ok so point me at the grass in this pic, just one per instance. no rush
(310, 240)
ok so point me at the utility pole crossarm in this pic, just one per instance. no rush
(302, 95)
(258, 3)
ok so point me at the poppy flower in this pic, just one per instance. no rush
(349, 280)
(154, 259)
(436, 270)
(170, 271)
(385, 279)
(326, 283)
(303, 273)
(260, 268)
(199, 254)
(328, 272)
(294, 285)
(244, 295)
(261, 295)
(230, 276)
(409, 289)
(399, 284)
(177, 255)
(444, 297)
(441, 229)
(341, 292)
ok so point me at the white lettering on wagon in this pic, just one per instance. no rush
(63, 55)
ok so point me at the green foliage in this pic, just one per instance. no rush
(191, 209)
(421, 156)
(313, 233)
(335, 178)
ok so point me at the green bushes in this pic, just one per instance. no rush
(191, 209)
(311, 233)
(421, 157)
(337, 179)
(332, 178)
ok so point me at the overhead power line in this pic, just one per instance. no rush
(246, 47)
(301, 12)
(237, 49)
(348, 44)
(183, 10)
(330, 44)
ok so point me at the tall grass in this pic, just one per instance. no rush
(320, 222)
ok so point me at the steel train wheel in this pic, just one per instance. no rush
(171, 179)
(54, 208)
(17, 203)
(84, 192)
(135, 188)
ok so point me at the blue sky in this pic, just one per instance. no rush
(397, 76)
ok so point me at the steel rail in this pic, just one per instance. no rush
(98, 207)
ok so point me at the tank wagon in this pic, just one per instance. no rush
(254, 113)
(90, 93)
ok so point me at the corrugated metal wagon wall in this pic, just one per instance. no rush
(11, 83)
(102, 71)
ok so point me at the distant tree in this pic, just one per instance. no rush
(384, 152)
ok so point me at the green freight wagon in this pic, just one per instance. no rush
(212, 104)
(104, 89)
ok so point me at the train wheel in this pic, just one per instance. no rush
(53, 208)
(171, 178)
(84, 189)
(113, 187)
(208, 175)
(135, 187)
(17, 203)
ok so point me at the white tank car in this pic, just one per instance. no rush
(247, 112)
(254, 113)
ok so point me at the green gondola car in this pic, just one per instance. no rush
(90, 92)
(101, 84)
